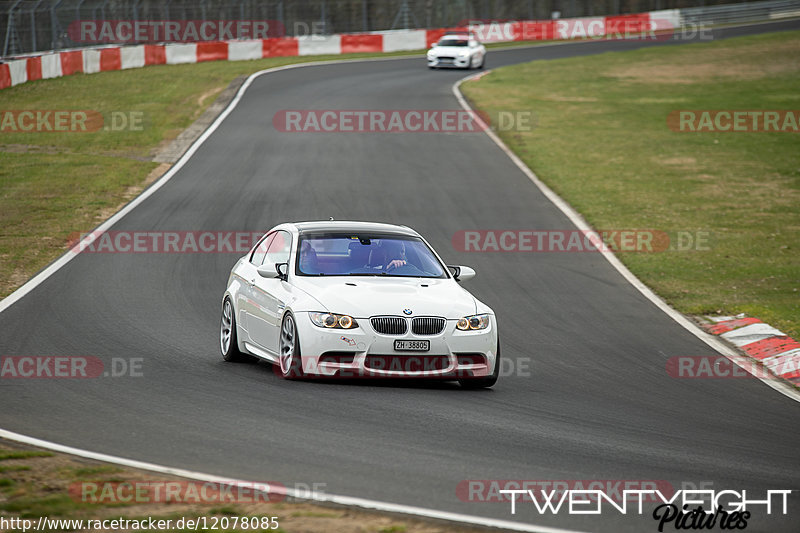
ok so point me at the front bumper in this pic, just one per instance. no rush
(449, 62)
(363, 352)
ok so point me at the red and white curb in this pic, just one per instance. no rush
(778, 352)
(14, 71)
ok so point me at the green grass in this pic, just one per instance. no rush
(14, 468)
(601, 141)
(44, 504)
(224, 510)
(393, 529)
(6, 455)
(89, 471)
(314, 514)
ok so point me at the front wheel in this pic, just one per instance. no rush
(483, 62)
(289, 359)
(487, 381)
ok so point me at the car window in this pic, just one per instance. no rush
(260, 250)
(451, 41)
(362, 254)
(278, 250)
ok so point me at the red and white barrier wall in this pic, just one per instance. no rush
(89, 60)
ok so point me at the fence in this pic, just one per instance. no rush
(35, 25)
(744, 12)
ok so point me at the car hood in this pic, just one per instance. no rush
(449, 50)
(363, 297)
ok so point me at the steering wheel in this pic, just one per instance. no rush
(392, 265)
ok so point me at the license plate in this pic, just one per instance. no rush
(412, 346)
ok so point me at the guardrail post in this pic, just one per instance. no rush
(78, 10)
(54, 25)
(10, 26)
(33, 25)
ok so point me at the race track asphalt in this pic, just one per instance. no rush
(598, 403)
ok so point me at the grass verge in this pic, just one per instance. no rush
(601, 141)
(57, 486)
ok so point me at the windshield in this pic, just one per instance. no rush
(452, 41)
(366, 255)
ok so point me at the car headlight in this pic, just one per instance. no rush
(464, 53)
(473, 322)
(333, 321)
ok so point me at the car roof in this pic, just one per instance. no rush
(351, 225)
(460, 35)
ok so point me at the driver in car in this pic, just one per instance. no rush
(395, 254)
(308, 259)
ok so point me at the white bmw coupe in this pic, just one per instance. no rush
(457, 50)
(357, 299)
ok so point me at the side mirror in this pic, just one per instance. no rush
(461, 273)
(283, 270)
(273, 270)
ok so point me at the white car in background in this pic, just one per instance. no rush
(357, 299)
(457, 50)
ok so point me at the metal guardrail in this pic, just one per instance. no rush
(744, 12)
(28, 26)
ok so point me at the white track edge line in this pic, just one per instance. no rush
(577, 219)
(301, 495)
